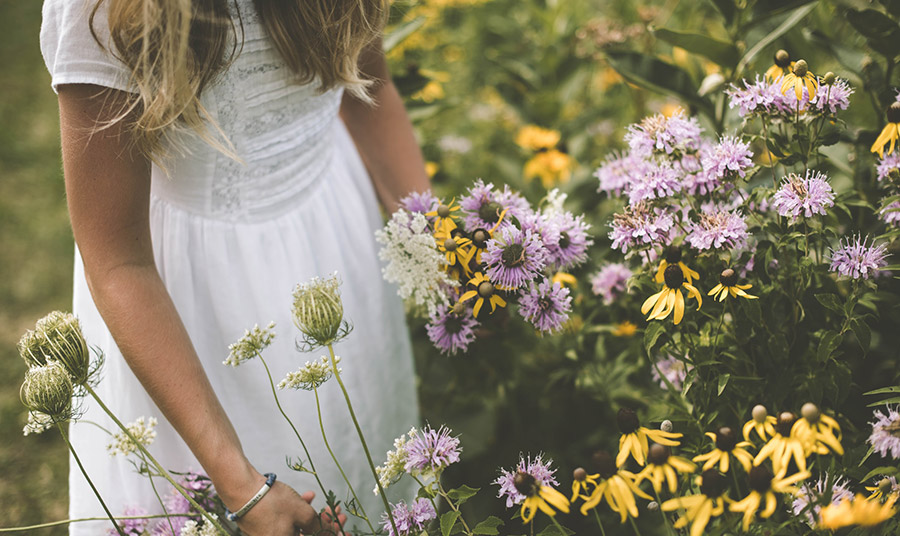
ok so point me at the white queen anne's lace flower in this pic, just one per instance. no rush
(37, 423)
(143, 431)
(310, 376)
(395, 462)
(191, 528)
(247, 347)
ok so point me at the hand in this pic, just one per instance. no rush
(283, 512)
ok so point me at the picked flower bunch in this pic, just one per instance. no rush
(461, 261)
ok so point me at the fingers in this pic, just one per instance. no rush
(308, 496)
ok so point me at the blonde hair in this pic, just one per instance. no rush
(176, 48)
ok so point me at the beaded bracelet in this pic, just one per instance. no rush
(270, 480)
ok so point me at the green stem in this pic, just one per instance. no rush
(669, 529)
(362, 439)
(338, 464)
(558, 526)
(453, 507)
(159, 468)
(634, 526)
(599, 524)
(771, 156)
(88, 478)
(64, 522)
(158, 498)
(430, 492)
(718, 331)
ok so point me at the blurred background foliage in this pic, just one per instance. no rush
(474, 72)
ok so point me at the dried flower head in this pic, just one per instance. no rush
(142, 430)
(58, 337)
(319, 312)
(48, 389)
(310, 376)
(250, 345)
(37, 423)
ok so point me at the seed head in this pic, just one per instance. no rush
(893, 113)
(627, 420)
(712, 484)
(810, 412)
(658, 454)
(785, 422)
(726, 439)
(666, 426)
(526, 484)
(579, 474)
(58, 337)
(728, 277)
(760, 478)
(759, 413)
(653, 506)
(48, 389)
(319, 312)
(604, 463)
(673, 276)
(782, 58)
(800, 68)
(829, 78)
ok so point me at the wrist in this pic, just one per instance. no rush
(236, 482)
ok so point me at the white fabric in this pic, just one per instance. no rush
(231, 240)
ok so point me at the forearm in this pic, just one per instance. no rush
(384, 137)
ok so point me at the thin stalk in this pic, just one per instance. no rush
(88, 478)
(599, 524)
(365, 516)
(299, 438)
(737, 485)
(634, 526)
(158, 498)
(159, 468)
(422, 485)
(718, 331)
(766, 135)
(454, 507)
(64, 522)
(558, 526)
(362, 439)
(669, 529)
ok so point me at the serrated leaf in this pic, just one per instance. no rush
(489, 526)
(862, 332)
(828, 344)
(886, 470)
(721, 52)
(660, 76)
(462, 493)
(448, 519)
(831, 302)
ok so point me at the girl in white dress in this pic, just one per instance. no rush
(261, 186)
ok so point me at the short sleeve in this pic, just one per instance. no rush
(71, 53)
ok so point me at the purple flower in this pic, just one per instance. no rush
(890, 213)
(885, 438)
(729, 158)
(610, 281)
(537, 468)
(546, 305)
(430, 450)
(514, 257)
(655, 182)
(720, 229)
(419, 202)
(755, 98)
(807, 195)
(571, 247)
(857, 259)
(482, 206)
(672, 369)
(640, 224)
(410, 520)
(812, 494)
(887, 164)
(451, 332)
(834, 97)
(543, 225)
(131, 527)
(664, 134)
(617, 172)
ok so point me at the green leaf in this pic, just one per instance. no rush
(881, 471)
(893, 400)
(782, 29)
(831, 302)
(862, 332)
(726, 8)
(652, 334)
(657, 75)
(489, 526)
(399, 33)
(892, 6)
(723, 381)
(828, 344)
(553, 530)
(884, 390)
(462, 493)
(448, 519)
(721, 52)
(880, 31)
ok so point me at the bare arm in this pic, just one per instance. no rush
(108, 190)
(384, 135)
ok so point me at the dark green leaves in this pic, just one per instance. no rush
(882, 33)
(721, 52)
(657, 75)
(488, 527)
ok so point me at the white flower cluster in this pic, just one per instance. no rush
(191, 528)
(310, 376)
(393, 467)
(143, 432)
(554, 203)
(413, 261)
(247, 347)
(37, 423)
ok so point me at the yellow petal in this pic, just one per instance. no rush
(648, 303)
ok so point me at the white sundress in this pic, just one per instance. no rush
(231, 240)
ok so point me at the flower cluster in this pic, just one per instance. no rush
(143, 431)
(250, 345)
(310, 376)
(410, 519)
(421, 453)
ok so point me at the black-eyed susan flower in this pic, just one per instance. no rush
(890, 133)
(444, 220)
(818, 432)
(538, 497)
(481, 236)
(582, 483)
(859, 511)
(662, 466)
(456, 248)
(761, 422)
(783, 446)
(552, 166)
(885, 488)
(798, 78)
(616, 486)
(781, 66)
(482, 289)
(728, 284)
(727, 445)
(635, 438)
(763, 487)
(564, 279)
(700, 508)
(673, 257)
(670, 299)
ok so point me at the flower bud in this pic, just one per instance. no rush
(782, 58)
(667, 426)
(810, 412)
(759, 413)
(319, 312)
(48, 389)
(579, 474)
(801, 68)
(58, 337)
(829, 78)
(653, 506)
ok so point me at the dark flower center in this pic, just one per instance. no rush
(458, 308)
(726, 439)
(893, 113)
(785, 423)
(728, 278)
(673, 255)
(564, 240)
(443, 211)
(658, 454)
(480, 238)
(760, 478)
(513, 255)
(605, 464)
(893, 428)
(885, 485)
(800, 68)
(579, 474)
(712, 484)
(545, 304)
(628, 421)
(489, 212)
(673, 276)
(782, 58)
(453, 324)
(486, 289)
(450, 244)
(526, 484)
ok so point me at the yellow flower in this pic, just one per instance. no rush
(781, 67)
(817, 431)
(783, 446)
(457, 249)
(431, 169)
(728, 285)
(535, 138)
(763, 487)
(582, 482)
(484, 290)
(624, 329)
(727, 445)
(564, 279)
(885, 488)
(444, 219)
(662, 466)
(538, 497)
(762, 423)
(670, 298)
(432, 91)
(552, 166)
(635, 438)
(617, 487)
(890, 133)
(859, 511)
(702, 507)
(673, 256)
(799, 77)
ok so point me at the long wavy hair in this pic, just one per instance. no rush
(176, 48)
